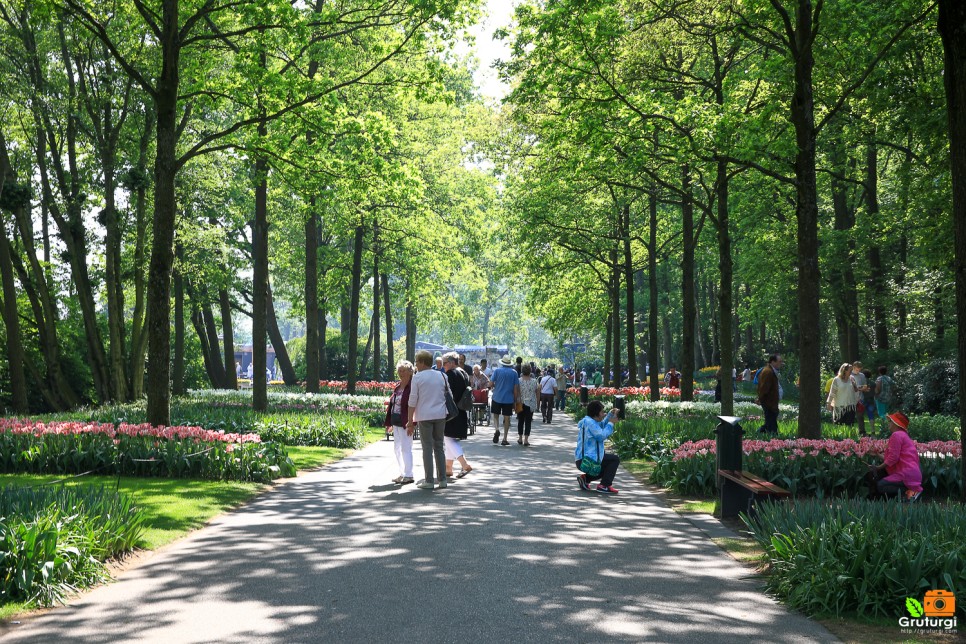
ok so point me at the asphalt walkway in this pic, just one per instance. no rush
(514, 552)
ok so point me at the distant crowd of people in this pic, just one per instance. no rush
(432, 395)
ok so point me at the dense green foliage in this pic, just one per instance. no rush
(54, 540)
(931, 388)
(860, 557)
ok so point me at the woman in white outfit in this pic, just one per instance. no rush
(843, 396)
(427, 406)
(397, 415)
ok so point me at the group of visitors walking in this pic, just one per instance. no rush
(427, 395)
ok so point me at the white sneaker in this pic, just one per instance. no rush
(442, 484)
(424, 485)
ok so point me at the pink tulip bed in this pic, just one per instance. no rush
(33, 447)
(807, 467)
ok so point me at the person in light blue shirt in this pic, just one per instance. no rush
(506, 392)
(594, 429)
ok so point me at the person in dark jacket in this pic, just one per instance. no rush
(397, 413)
(770, 393)
(457, 428)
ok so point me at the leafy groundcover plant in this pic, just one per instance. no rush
(55, 540)
(33, 447)
(808, 467)
(835, 557)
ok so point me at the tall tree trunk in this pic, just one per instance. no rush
(879, 292)
(938, 316)
(314, 318)
(390, 360)
(841, 274)
(615, 313)
(11, 319)
(640, 326)
(138, 184)
(629, 308)
(323, 345)
(952, 30)
(162, 249)
(38, 289)
(699, 352)
(607, 346)
(228, 339)
(219, 369)
(806, 212)
(725, 289)
(260, 282)
(215, 373)
(114, 286)
(902, 314)
(70, 223)
(670, 355)
(410, 326)
(377, 349)
(278, 342)
(354, 295)
(688, 306)
(312, 349)
(655, 380)
(615, 374)
(373, 328)
(178, 383)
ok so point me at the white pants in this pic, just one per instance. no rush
(403, 446)
(453, 448)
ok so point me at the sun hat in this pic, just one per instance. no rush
(506, 361)
(899, 419)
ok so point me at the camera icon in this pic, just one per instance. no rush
(939, 603)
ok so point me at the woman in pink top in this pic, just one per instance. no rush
(901, 462)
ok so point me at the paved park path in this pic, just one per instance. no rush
(514, 552)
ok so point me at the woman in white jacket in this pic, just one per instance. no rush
(427, 406)
(843, 396)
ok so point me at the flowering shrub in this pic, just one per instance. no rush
(28, 446)
(677, 409)
(289, 401)
(810, 467)
(596, 393)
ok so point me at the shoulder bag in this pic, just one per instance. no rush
(587, 465)
(452, 411)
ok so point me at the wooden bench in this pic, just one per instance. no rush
(740, 491)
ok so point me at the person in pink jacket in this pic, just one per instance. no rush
(901, 462)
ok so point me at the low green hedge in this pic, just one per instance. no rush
(861, 557)
(55, 540)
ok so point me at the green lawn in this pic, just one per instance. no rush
(175, 507)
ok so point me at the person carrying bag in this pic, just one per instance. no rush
(595, 428)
